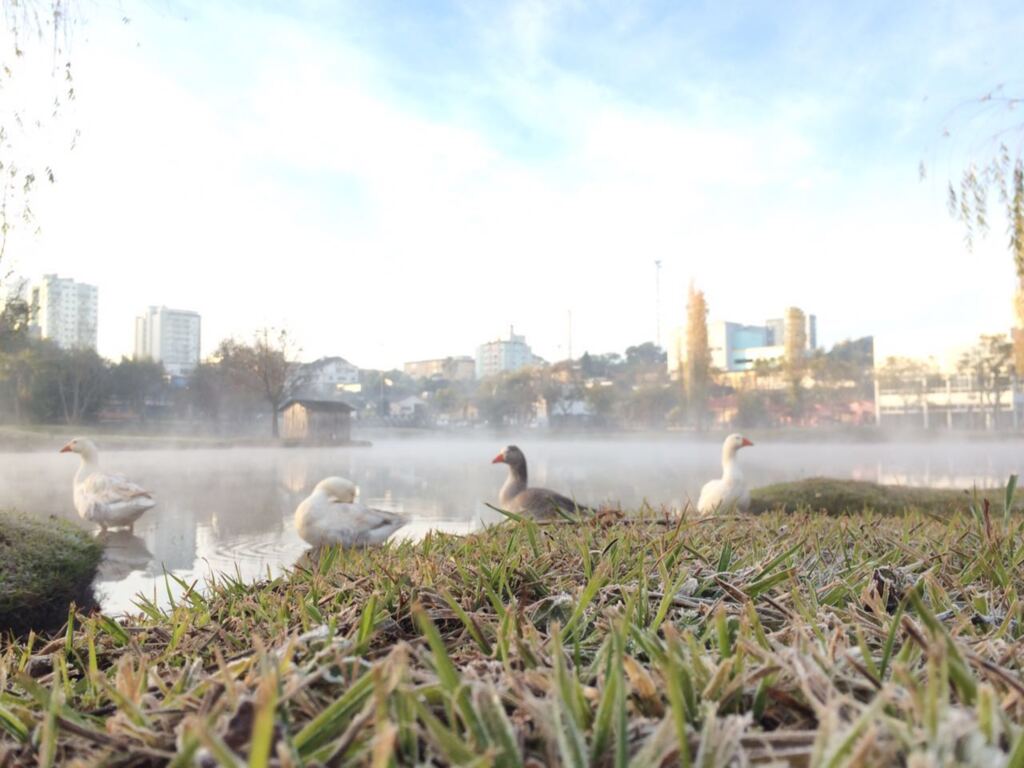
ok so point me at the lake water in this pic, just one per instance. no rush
(231, 510)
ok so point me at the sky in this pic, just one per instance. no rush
(398, 181)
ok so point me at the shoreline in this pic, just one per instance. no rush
(46, 437)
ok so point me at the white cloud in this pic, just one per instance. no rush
(306, 187)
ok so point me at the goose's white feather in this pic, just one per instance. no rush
(728, 493)
(109, 500)
(330, 515)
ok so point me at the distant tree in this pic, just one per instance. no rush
(752, 409)
(904, 376)
(206, 389)
(14, 323)
(265, 367)
(45, 383)
(649, 405)
(134, 382)
(18, 369)
(646, 355)
(586, 365)
(450, 401)
(697, 372)
(380, 388)
(602, 400)
(899, 372)
(990, 366)
(69, 385)
(508, 398)
(561, 387)
(600, 366)
(764, 368)
(14, 340)
(848, 365)
(493, 403)
(519, 390)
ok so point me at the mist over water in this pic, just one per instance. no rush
(231, 510)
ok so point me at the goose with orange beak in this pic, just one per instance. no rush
(537, 503)
(110, 501)
(730, 492)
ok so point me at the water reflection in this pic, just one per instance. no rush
(123, 553)
(230, 511)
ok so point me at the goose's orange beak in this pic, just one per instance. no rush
(65, 449)
(745, 443)
(499, 459)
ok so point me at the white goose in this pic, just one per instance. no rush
(330, 515)
(110, 501)
(730, 492)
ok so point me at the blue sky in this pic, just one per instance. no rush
(396, 181)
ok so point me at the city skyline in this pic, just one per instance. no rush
(944, 358)
(521, 171)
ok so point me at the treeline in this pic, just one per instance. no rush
(238, 389)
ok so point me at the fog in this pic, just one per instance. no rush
(230, 510)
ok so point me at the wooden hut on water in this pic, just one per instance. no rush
(317, 422)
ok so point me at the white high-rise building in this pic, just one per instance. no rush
(169, 336)
(65, 311)
(504, 355)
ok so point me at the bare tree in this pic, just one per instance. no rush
(268, 367)
(906, 377)
(82, 380)
(990, 365)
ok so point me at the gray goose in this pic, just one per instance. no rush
(537, 503)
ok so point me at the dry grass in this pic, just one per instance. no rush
(781, 639)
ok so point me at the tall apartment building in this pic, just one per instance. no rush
(169, 336)
(65, 312)
(504, 355)
(737, 347)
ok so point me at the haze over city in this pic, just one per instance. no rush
(395, 182)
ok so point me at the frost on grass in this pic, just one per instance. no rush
(860, 640)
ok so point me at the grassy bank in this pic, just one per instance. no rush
(832, 496)
(818, 640)
(45, 563)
